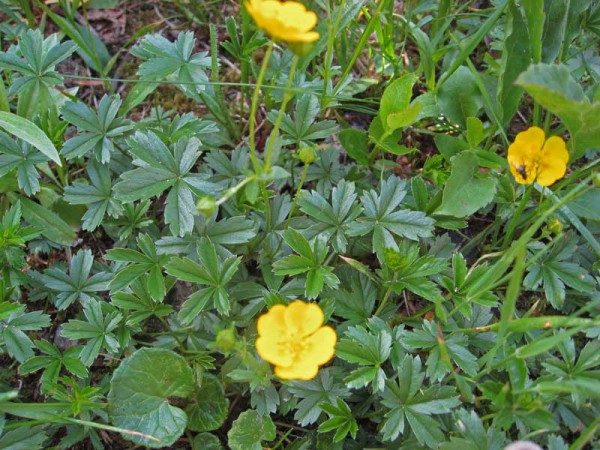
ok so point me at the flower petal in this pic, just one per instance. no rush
(321, 346)
(288, 21)
(295, 15)
(297, 372)
(523, 161)
(534, 136)
(553, 163)
(272, 323)
(556, 148)
(302, 318)
(271, 351)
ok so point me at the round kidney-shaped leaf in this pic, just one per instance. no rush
(210, 408)
(139, 395)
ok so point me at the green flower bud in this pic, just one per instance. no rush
(556, 226)
(225, 340)
(206, 205)
(307, 155)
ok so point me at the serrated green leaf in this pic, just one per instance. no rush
(210, 407)
(29, 132)
(249, 430)
(139, 392)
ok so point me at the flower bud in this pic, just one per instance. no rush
(225, 340)
(206, 205)
(307, 155)
(556, 226)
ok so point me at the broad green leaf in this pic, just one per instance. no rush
(249, 430)
(534, 11)
(553, 87)
(210, 407)
(356, 145)
(29, 132)
(404, 118)
(206, 441)
(474, 131)
(465, 193)
(516, 57)
(396, 98)
(139, 395)
(459, 97)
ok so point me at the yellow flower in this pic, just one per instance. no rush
(533, 158)
(293, 340)
(284, 21)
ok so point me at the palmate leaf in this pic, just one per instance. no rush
(97, 130)
(98, 330)
(323, 389)
(333, 218)
(97, 195)
(174, 61)
(225, 232)
(139, 304)
(211, 271)
(77, 285)
(444, 348)
(303, 127)
(555, 270)
(341, 420)
(310, 261)
(23, 157)
(12, 332)
(408, 402)
(146, 261)
(52, 362)
(35, 60)
(368, 348)
(160, 170)
(384, 219)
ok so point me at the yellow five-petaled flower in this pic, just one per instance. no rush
(293, 339)
(533, 158)
(284, 21)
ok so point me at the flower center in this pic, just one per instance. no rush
(294, 345)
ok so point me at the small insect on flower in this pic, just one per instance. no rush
(293, 340)
(532, 157)
(284, 21)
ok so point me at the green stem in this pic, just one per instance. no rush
(287, 95)
(28, 13)
(489, 279)
(586, 436)
(515, 218)
(331, 33)
(172, 333)
(294, 203)
(232, 191)
(254, 106)
(361, 45)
